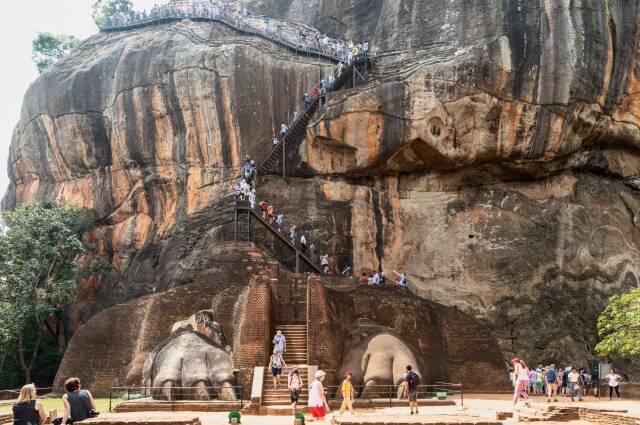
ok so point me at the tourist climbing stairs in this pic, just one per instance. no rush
(275, 161)
(245, 219)
(295, 357)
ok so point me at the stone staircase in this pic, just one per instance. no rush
(295, 356)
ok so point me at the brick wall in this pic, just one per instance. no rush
(449, 345)
(253, 343)
(111, 348)
(596, 416)
(323, 336)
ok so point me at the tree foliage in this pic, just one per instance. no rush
(104, 8)
(47, 48)
(619, 326)
(40, 251)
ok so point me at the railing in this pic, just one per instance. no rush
(242, 204)
(14, 393)
(242, 20)
(178, 395)
(335, 80)
(395, 392)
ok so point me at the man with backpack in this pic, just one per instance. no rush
(552, 383)
(411, 384)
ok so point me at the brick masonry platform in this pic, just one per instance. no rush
(149, 405)
(392, 418)
(117, 419)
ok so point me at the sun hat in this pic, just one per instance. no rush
(320, 374)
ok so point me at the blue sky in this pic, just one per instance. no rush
(23, 20)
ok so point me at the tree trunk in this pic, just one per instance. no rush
(23, 361)
(3, 357)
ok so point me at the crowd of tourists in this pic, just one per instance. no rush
(574, 383)
(317, 400)
(238, 16)
(245, 193)
(379, 278)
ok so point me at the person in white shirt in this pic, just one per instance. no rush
(614, 383)
(303, 244)
(252, 199)
(574, 384)
(318, 404)
(283, 129)
(521, 371)
(376, 278)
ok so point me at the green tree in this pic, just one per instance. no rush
(619, 327)
(104, 8)
(42, 255)
(47, 48)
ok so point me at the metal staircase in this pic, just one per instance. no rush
(245, 220)
(275, 161)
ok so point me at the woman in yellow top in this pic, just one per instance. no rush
(347, 394)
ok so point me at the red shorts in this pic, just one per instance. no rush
(317, 412)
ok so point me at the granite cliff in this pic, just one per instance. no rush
(493, 154)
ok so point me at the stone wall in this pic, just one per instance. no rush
(449, 345)
(111, 348)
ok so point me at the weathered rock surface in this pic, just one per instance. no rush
(493, 155)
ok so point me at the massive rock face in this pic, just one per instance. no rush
(492, 155)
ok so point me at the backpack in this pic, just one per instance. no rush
(413, 380)
(276, 362)
(552, 375)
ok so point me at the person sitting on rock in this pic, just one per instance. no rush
(27, 410)
(78, 404)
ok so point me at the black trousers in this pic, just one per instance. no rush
(614, 388)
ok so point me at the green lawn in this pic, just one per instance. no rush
(102, 405)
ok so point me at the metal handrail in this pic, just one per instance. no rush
(239, 20)
(391, 391)
(4, 394)
(314, 101)
(244, 206)
(148, 391)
